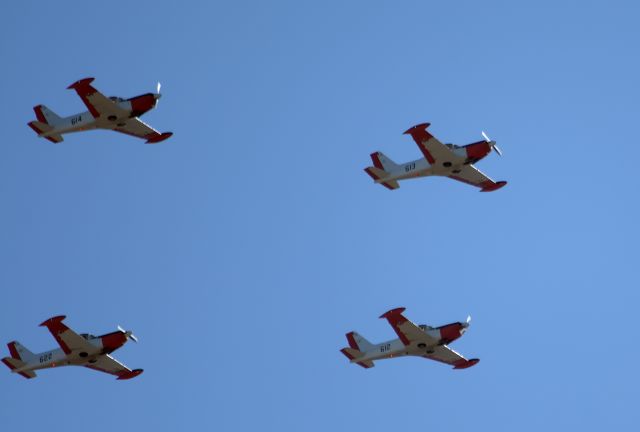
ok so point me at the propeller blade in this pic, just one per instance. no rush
(491, 143)
(158, 87)
(133, 337)
(468, 319)
(121, 329)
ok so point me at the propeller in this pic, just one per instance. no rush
(491, 143)
(158, 95)
(465, 325)
(129, 334)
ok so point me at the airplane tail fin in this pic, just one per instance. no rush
(14, 364)
(382, 168)
(47, 116)
(383, 162)
(359, 342)
(20, 352)
(358, 346)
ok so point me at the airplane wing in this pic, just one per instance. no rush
(473, 176)
(98, 104)
(431, 148)
(444, 354)
(137, 128)
(407, 331)
(108, 364)
(68, 340)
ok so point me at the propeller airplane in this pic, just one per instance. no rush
(448, 160)
(413, 340)
(111, 113)
(75, 349)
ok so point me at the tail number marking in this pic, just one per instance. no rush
(75, 120)
(385, 347)
(410, 167)
(46, 357)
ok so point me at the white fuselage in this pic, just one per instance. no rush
(58, 357)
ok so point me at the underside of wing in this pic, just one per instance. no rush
(137, 128)
(408, 332)
(432, 149)
(68, 340)
(108, 364)
(98, 104)
(473, 176)
(444, 354)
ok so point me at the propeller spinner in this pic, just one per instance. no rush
(491, 143)
(129, 334)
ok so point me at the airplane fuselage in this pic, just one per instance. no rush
(460, 156)
(129, 108)
(100, 345)
(396, 348)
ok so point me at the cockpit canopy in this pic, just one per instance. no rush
(116, 99)
(452, 146)
(87, 336)
(425, 327)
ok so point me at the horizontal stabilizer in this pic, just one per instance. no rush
(42, 128)
(14, 364)
(378, 174)
(354, 355)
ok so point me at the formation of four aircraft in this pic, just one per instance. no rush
(122, 115)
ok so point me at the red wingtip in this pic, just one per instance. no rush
(128, 375)
(464, 364)
(81, 83)
(160, 137)
(54, 320)
(421, 126)
(490, 187)
(393, 312)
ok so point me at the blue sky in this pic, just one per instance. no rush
(241, 250)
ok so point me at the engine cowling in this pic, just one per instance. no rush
(141, 104)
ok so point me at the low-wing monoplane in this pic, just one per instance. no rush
(447, 160)
(75, 350)
(112, 113)
(413, 340)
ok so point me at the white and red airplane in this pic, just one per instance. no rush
(448, 160)
(75, 350)
(414, 340)
(112, 113)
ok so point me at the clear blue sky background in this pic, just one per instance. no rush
(242, 250)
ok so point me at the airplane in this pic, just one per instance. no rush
(112, 113)
(448, 160)
(414, 340)
(75, 349)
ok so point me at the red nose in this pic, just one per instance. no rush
(142, 104)
(113, 341)
(450, 332)
(478, 150)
